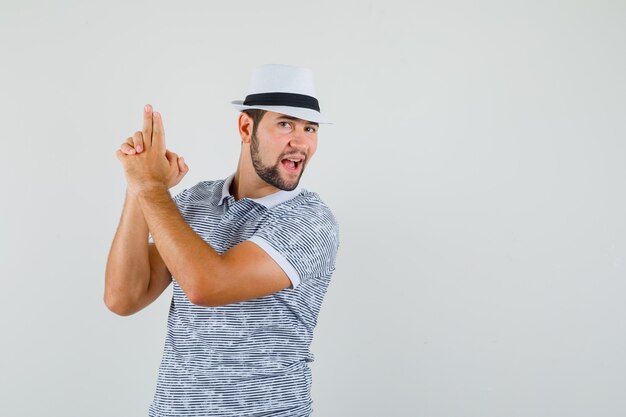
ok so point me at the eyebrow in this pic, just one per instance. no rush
(296, 119)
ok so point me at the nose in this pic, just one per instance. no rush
(298, 140)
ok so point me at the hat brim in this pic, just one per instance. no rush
(299, 112)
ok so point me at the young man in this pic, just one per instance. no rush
(250, 258)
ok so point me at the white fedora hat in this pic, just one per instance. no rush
(283, 89)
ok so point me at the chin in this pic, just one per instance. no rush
(287, 185)
(278, 178)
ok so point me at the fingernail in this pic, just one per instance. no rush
(139, 148)
(132, 151)
(147, 108)
(156, 114)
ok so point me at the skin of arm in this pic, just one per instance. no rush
(135, 272)
(208, 278)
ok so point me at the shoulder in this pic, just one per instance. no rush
(202, 192)
(307, 211)
(306, 202)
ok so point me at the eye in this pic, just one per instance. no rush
(283, 124)
(311, 129)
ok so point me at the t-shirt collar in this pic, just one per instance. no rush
(268, 201)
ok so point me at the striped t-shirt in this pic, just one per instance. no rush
(249, 358)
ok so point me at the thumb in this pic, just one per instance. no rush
(182, 166)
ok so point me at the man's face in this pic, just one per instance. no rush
(281, 149)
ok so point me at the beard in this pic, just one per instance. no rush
(271, 173)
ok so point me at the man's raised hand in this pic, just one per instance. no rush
(145, 158)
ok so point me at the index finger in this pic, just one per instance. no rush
(158, 133)
(147, 126)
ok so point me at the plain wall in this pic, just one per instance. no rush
(476, 167)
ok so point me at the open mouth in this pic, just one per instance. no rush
(292, 164)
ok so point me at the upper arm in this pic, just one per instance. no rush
(296, 248)
(246, 272)
(304, 242)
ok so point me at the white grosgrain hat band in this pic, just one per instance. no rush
(283, 89)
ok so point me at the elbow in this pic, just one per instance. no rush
(201, 299)
(117, 306)
(120, 298)
(202, 295)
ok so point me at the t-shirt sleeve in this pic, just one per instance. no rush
(304, 242)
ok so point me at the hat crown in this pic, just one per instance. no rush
(278, 78)
(283, 89)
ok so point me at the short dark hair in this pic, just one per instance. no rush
(256, 115)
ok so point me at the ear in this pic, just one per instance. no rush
(245, 127)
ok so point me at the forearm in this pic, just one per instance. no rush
(127, 274)
(190, 259)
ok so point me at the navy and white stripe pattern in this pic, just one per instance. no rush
(249, 358)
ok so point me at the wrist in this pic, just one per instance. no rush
(149, 189)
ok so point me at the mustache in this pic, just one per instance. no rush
(292, 156)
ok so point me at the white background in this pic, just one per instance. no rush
(476, 167)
